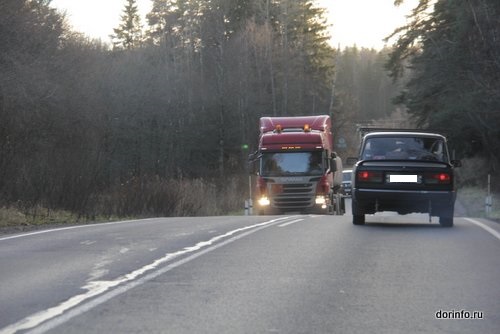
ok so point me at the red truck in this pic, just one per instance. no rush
(297, 167)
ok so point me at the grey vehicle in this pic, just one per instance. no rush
(406, 172)
(346, 181)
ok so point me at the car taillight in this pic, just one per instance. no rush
(369, 176)
(438, 178)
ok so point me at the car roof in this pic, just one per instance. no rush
(404, 134)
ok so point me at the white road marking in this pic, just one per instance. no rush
(98, 292)
(71, 228)
(484, 227)
(97, 272)
(292, 222)
(99, 268)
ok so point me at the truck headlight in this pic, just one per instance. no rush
(264, 201)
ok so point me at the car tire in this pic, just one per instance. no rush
(446, 221)
(358, 219)
(358, 216)
(446, 217)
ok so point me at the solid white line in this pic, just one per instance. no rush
(292, 222)
(71, 228)
(485, 227)
(98, 292)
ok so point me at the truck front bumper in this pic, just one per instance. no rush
(271, 205)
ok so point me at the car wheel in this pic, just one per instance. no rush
(358, 216)
(446, 221)
(358, 219)
(446, 217)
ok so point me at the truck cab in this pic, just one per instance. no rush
(297, 168)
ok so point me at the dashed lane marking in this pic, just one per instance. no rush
(291, 222)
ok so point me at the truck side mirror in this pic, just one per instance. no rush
(456, 163)
(252, 159)
(333, 162)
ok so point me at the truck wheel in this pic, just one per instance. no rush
(358, 219)
(342, 205)
(446, 221)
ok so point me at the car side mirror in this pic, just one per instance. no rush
(456, 163)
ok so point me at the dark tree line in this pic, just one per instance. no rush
(100, 131)
(363, 95)
(452, 51)
(158, 125)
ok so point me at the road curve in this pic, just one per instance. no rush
(276, 274)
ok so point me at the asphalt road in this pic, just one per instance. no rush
(275, 274)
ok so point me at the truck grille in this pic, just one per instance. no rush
(294, 196)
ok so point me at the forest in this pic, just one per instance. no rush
(161, 122)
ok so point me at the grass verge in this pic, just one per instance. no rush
(14, 220)
(473, 200)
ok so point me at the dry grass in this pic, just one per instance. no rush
(12, 217)
(36, 216)
(473, 200)
(472, 188)
(140, 198)
(157, 197)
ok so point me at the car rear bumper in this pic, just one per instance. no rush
(403, 201)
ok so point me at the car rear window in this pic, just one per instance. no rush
(405, 148)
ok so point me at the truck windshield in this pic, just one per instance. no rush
(292, 163)
(405, 148)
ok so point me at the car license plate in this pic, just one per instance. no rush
(403, 179)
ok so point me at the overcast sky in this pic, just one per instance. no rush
(361, 22)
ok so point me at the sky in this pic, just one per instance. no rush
(364, 22)
(353, 22)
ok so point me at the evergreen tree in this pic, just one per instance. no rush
(129, 35)
(90, 131)
(452, 51)
(303, 59)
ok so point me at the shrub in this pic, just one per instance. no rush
(154, 196)
(10, 216)
(474, 172)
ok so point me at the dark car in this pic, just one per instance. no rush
(404, 172)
